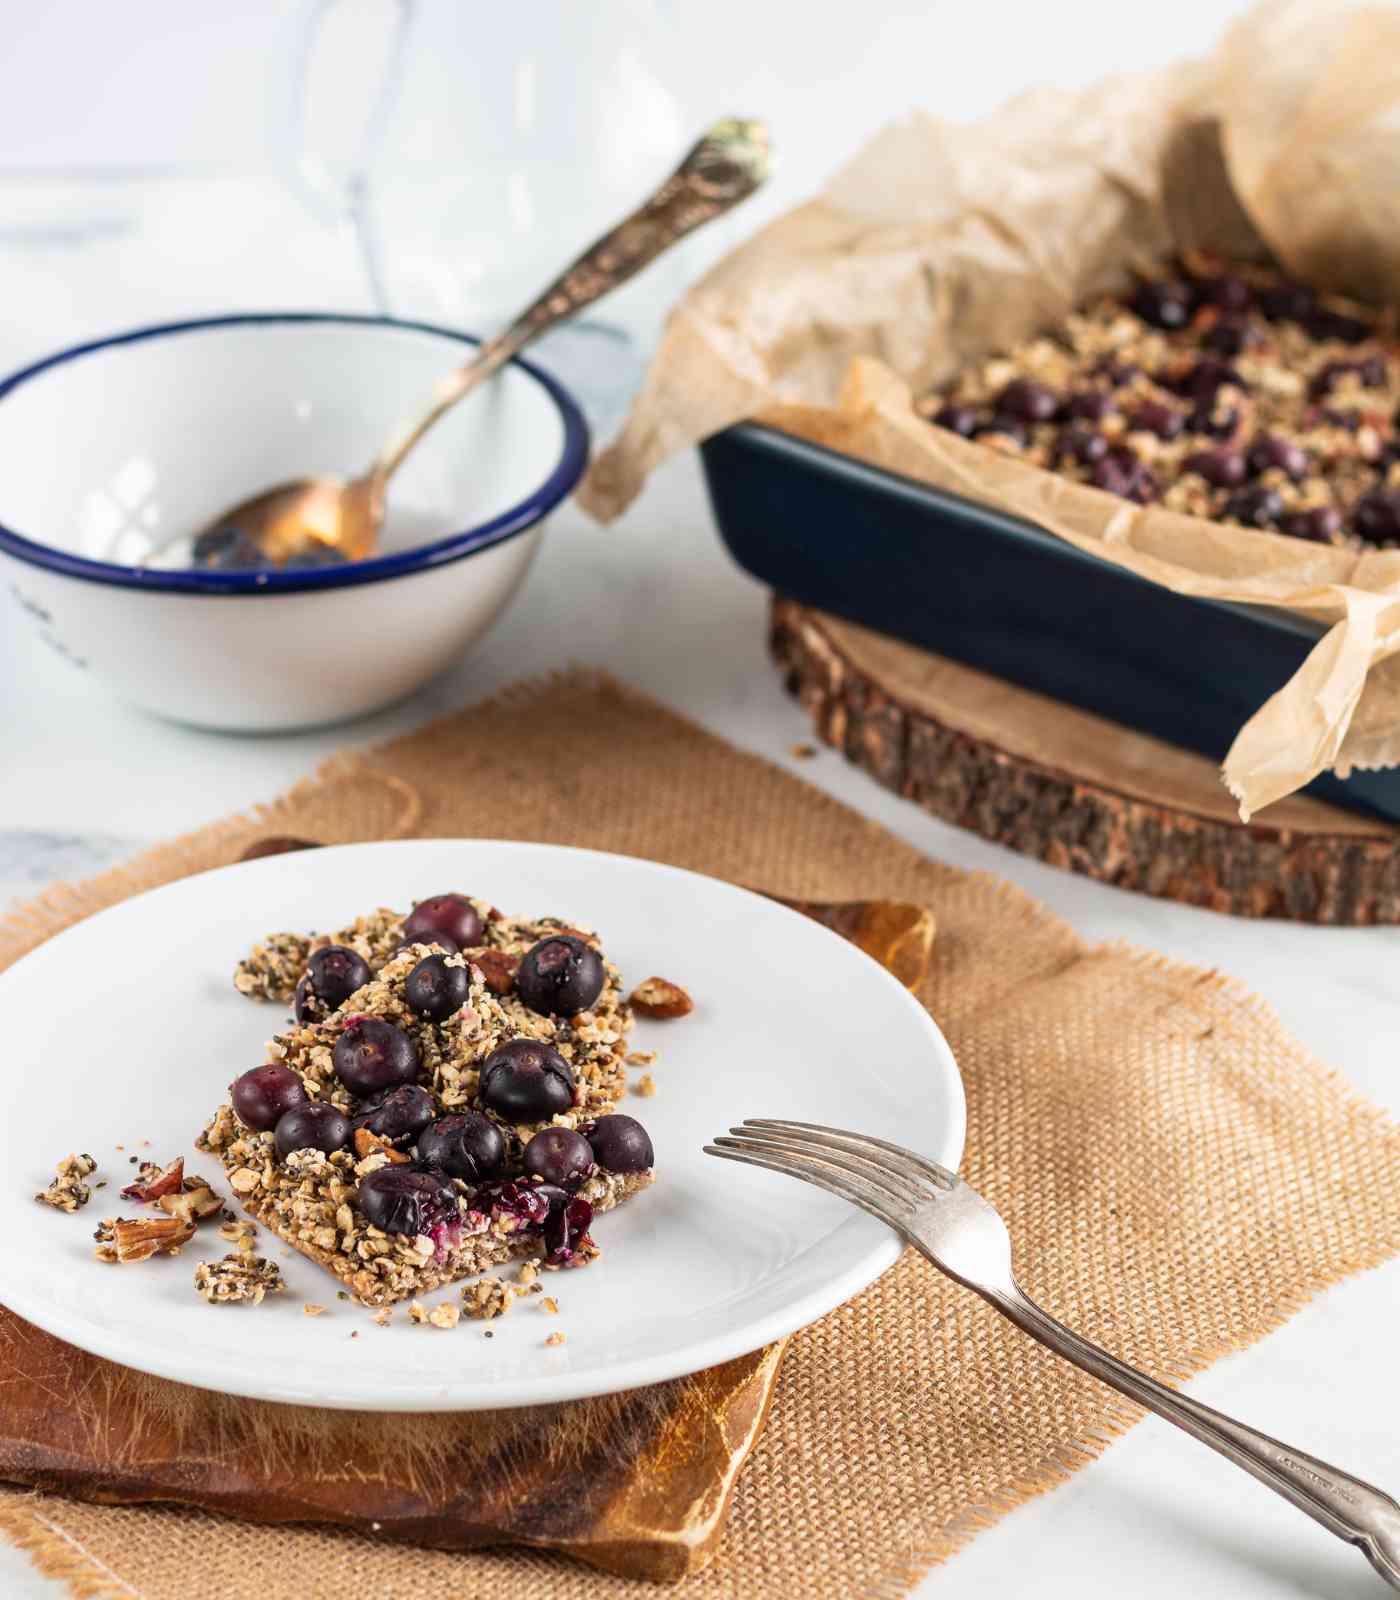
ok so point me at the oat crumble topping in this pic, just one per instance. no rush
(238, 1277)
(487, 1298)
(1220, 390)
(68, 1192)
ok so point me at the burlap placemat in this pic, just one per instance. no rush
(1178, 1174)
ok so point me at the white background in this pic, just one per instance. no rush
(189, 95)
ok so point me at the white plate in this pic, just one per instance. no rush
(126, 1029)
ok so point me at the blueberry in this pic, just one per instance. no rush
(1326, 324)
(1320, 525)
(1286, 302)
(435, 990)
(315, 1126)
(1154, 417)
(526, 1080)
(1231, 335)
(1268, 451)
(263, 1094)
(1121, 473)
(958, 419)
(332, 975)
(466, 1144)
(1216, 422)
(435, 941)
(1083, 445)
(558, 1156)
(560, 976)
(452, 914)
(1255, 507)
(564, 1230)
(1117, 372)
(1164, 302)
(409, 1200)
(397, 1114)
(620, 1144)
(1376, 516)
(1224, 469)
(1208, 375)
(228, 550)
(1089, 405)
(1228, 291)
(372, 1055)
(1028, 401)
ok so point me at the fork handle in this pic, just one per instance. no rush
(1353, 1510)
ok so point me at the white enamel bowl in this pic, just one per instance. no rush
(109, 450)
(714, 1260)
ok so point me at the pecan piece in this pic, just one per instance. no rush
(153, 1180)
(497, 968)
(370, 1144)
(661, 999)
(138, 1239)
(195, 1201)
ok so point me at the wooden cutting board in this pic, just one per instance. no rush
(637, 1484)
(1074, 789)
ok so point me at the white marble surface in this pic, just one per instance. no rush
(656, 600)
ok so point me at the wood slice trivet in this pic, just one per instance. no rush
(637, 1484)
(1074, 789)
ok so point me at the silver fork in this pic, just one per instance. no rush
(950, 1223)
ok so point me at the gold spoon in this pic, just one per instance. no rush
(315, 520)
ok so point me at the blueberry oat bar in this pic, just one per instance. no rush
(441, 1101)
(1226, 392)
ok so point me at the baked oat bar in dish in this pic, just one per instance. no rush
(442, 1099)
(1222, 390)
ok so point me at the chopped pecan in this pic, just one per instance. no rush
(153, 1180)
(497, 968)
(139, 1238)
(370, 1144)
(661, 999)
(195, 1201)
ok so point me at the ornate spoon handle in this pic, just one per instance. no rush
(725, 167)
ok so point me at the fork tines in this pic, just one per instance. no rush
(882, 1178)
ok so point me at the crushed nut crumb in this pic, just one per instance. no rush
(645, 1086)
(550, 1305)
(487, 1298)
(661, 1000)
(555, 1338)
(68, 1192)
(802, 751)
(236, 1278)
(311, 1309)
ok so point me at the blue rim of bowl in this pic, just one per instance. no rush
(485, 535)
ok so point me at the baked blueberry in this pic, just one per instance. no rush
(1324, 323)
(560, 976)
(565, 1228)
(1224, 469)
(397, 1115)
(1256, 507)
(465, 1144)
(558, 1156)
(263, 1094)
(526, 1080)
(1089, 405)
(1154, 417)
(435, 990)
(317, 1125)
(1268, 450)
(372, 1055)
(1081, 444)
(620, 1143)
(1209, 374)
(1121, 473)
(958, 419)
(332, 975)
(1164, 302)
(1287, 302)
(1229, 336)
(1027, 401)
(1376, 516)
(450, 914)
(1229, 291)
(1216, 422)
(1320, 525)
(408, 1200)
(529, 1203)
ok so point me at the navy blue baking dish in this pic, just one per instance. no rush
(998, 593)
